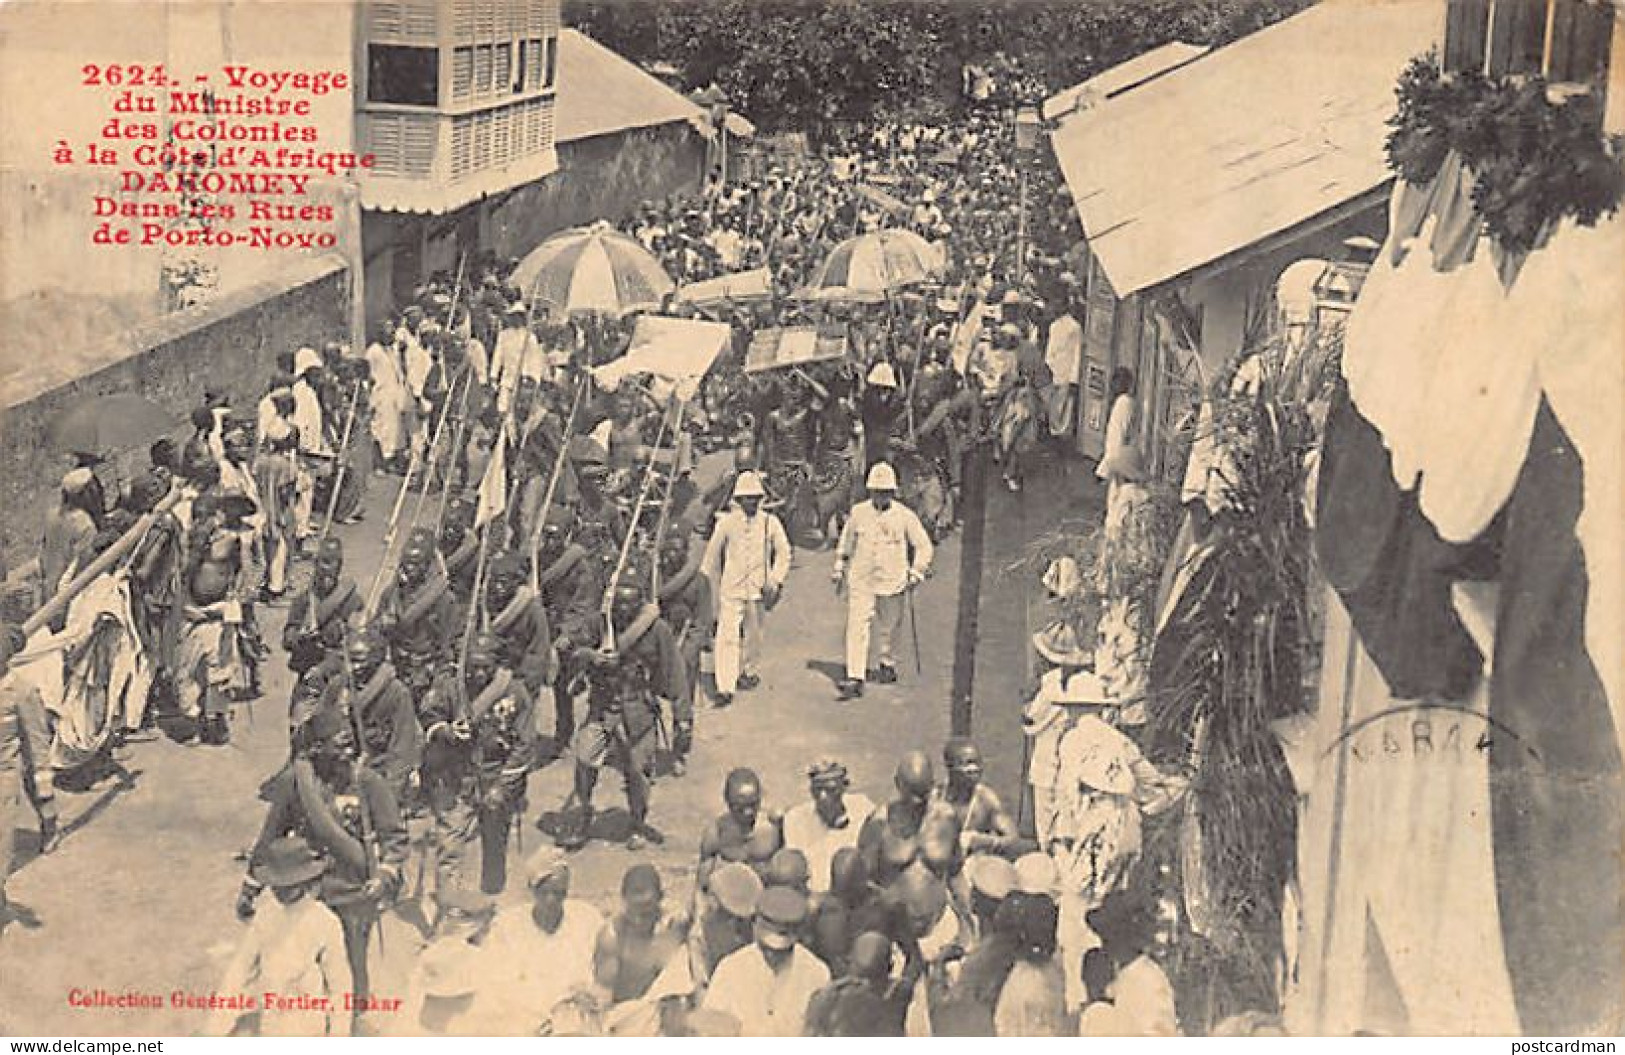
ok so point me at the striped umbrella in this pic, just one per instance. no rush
(870, 266)
(593, 269)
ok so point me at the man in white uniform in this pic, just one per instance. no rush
(884, 552)
(516, 355)
(747, 560)
(315, 456)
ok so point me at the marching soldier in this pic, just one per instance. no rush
(686, 603)
(518, 623)
(391, 738)
(418, 615)
(319, 618)
(628, 679)
(459, 546)
(571, 589)
(481, 746)
(347, 813)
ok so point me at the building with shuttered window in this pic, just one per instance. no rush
(455, 98)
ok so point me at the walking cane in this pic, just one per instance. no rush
(914, 632)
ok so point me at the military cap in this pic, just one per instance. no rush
(332, 549)
(782, 906)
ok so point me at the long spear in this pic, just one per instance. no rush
(553, 481)
(333, 495)
(631, 533)
(665, 502)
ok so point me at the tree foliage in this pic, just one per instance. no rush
(801, 63)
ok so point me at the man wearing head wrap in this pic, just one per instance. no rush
(829, 822)
(69, 532)
(767, 986)
(547, 944)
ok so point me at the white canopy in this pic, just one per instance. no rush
(675, 353)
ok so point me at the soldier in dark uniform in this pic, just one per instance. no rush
(319, 618)
(391, 738)
(571, 590)
(518, 622)
(687, 603)
(347, 813)
(481, 746)
(418, 615)
(459, 546)
(626, 685)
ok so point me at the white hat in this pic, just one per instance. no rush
(882, 477)
(749, 485)
(305, 359)
(1062, 578)
(883, 375)
(1035, 874)
(1059, 643)
(77, 480)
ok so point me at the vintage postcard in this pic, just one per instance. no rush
(663, 518)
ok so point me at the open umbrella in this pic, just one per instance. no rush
(106, 423)
(593, 269)
(870, 266)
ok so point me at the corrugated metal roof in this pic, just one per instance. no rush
(1122, 77)
(601, 93)
(1243, 143)
(386, 194)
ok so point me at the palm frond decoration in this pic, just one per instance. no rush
(1230, 658)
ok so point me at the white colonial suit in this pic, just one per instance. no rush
(746, 556)
(882, 551)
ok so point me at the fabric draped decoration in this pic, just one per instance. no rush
(1478, 442)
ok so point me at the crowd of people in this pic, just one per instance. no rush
(556, 582)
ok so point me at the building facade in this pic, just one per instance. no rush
(455, 99)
